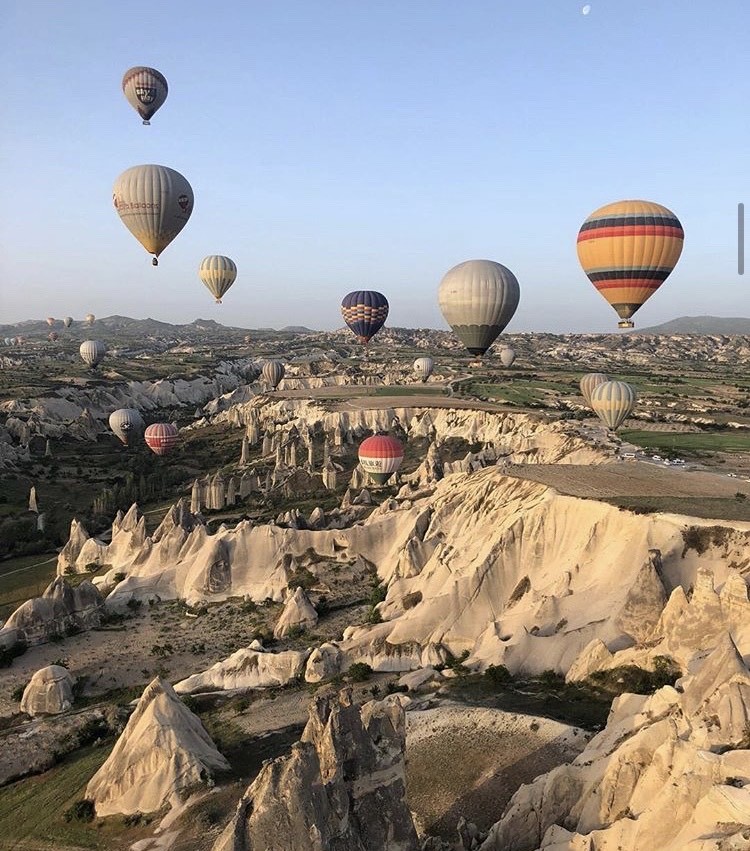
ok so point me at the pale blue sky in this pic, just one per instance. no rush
(343, 145)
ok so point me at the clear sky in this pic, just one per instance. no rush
(345, 144)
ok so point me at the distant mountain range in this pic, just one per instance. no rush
(700, 325)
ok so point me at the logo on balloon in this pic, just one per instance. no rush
(145, 94)
(184, 203)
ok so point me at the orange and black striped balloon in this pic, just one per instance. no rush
(627, 250)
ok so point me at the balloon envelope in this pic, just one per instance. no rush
(161, 438)
(218, 273)
(590, 381)
(146, 90)
(125, 423)
(627, 250)
(478, 299)
(92, 351)
(612, 402)
(154, 203)
(50, 321)
(365, 312)
(68, 321)
(90, 318)
(272, 372)
(423, 367)
(380, 456)
(52, 336)
(507, 355)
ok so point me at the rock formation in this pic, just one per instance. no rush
(163, 754)
(298, 613)
(49, 692)
(340, 789)
(247, 668)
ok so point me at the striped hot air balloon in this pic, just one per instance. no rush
(52, 336)
(92, 352)
(589, 382)
(612, 402)
(126, 423)
(218, 273)
(146, 90)
(68, 321)
(380, 456)
(507, 355)
(365, 312)
(272, 372)
(627, 250)
(161, 438)
(423, 368)
(154, 203)
(478, 299)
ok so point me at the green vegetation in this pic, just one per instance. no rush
(359, 672)
(686, 443)
(710, 508)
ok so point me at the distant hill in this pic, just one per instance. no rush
(700, 325)
(297, 329)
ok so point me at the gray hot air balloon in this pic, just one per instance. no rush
(612, 402)
(92, 352)
(218, 273)
(273, 372)
(423, 367)
(589, 382)
(126, 423)
(154, 203)
(68, 321)
(478, 299)
(507, 355)
(146, 90)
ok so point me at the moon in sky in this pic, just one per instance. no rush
(586, 9)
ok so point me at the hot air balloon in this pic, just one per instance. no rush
(52, 336)
(92, 352)
(589, 382)
(507, 355)
(68, 321)
(380, 456)
(8, 341)
(365, 312)
(146, 90)
(126, 423)
(90, 319)
(218, 273)
(478, 299)
(50, 321)
(273, 371)
(612, 402)
(423, 367)
(154, 203)
(161, 438)
(627, 250)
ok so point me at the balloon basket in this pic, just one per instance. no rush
(626, 323)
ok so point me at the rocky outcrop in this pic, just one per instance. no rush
(670, 771)
(324, 663)
(66, 560)
(298, 614)
(247, 668)
(60, 611)
(163, 754)
(341, 788)
(49, 692)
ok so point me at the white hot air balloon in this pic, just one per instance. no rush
(154, 203)
(478, 299)
(68, 321)
(612, 402)
(423, 368)
(92, 352)
(90, 319)
(507, 355)
(218, 273)
(126, 423)
(590, 382)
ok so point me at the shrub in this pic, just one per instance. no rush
(551, 678)
(359, 672)
(374, 616)
(82, 810)
(8, 654)
(18, 691)
(378, 595)
(119, 576)
(498, 675)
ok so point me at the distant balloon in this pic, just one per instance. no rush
(161, 438)
(126, 423)
(90, 319)
(478, 299)
(627, 250)
(8, 341)
(68, 321)
(590, 382)
(365, 312)
(92, 352)
(52, 336)
(380, 456)
(507, 355)
(218, 273)
(50, 321)
(272, 372)
(146, 90)
(423, 367)
(612, 402)
(586, 9)
(154, 203)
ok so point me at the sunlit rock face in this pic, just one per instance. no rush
(163, 752)
(247, 668)
(49, 692)
(298, 613)
(341, 789)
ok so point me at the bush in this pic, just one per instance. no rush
(498, 675)
(18, 691)
(82, 810)
(378, 595)
(631, 678)
(8, 654)
(374, 616)
(359, 672)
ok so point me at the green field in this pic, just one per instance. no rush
(686, 442)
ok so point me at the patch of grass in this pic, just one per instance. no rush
(686, 442)
(710, 508)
